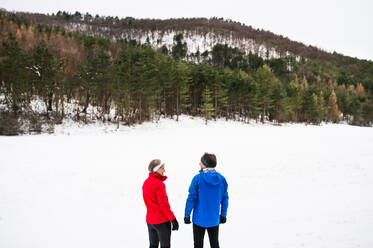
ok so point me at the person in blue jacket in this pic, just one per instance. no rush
(208, 199)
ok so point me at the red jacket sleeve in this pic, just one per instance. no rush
(163, 202)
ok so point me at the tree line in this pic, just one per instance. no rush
(143, 84)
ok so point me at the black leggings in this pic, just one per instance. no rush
(160, 233)
(199, 234)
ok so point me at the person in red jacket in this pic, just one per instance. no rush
(159, 216)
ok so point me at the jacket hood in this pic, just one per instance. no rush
(210, 177)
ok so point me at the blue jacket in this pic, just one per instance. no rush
(208, 198)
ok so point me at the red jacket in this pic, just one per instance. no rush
(156, 200)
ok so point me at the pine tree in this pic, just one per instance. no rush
(310, 107)
(46, 68)
(123, 83)
(277, 112)
(166, 70)
(180, 49)
(322, 107)
(220, 97)
(181, 84)
(294, 106)
(15, 75)
(266, 81)
(207, 107)
(147, 88)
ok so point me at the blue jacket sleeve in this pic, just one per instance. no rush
(225, 199)
(192, 197)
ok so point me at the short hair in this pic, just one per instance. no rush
(210, 159)
(153, 163)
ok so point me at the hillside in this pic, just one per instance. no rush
(202, 34)
(199, 33)
(126, 67)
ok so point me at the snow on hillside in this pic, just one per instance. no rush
(289, 186)
(194, 40)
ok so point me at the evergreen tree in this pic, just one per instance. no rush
(122, 84)
(180, 49)
(278, 109)
(294, 100)
(255, 61)
(94, 76)
(15, 75)
(266, 81)
(220, 55)
(356, 110)
(103, 76)
(310, 107)
(181, 84)
(164, 50)
(146, 88)
(46, 68)
(207, 106)
(322, 107)
(219, 93)
(198, 81)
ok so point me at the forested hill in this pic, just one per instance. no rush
(130, 71)
(203, 33)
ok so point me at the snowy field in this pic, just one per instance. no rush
(290, 187)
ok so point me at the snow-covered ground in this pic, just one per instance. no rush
(289, 186)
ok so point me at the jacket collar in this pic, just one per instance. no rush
(157, 176)
(207, 170)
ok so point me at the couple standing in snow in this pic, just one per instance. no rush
(208, 199)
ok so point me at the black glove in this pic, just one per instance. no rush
(223, 219)
(187, 220)
(175, 225)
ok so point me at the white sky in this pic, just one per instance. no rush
(344, 26)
